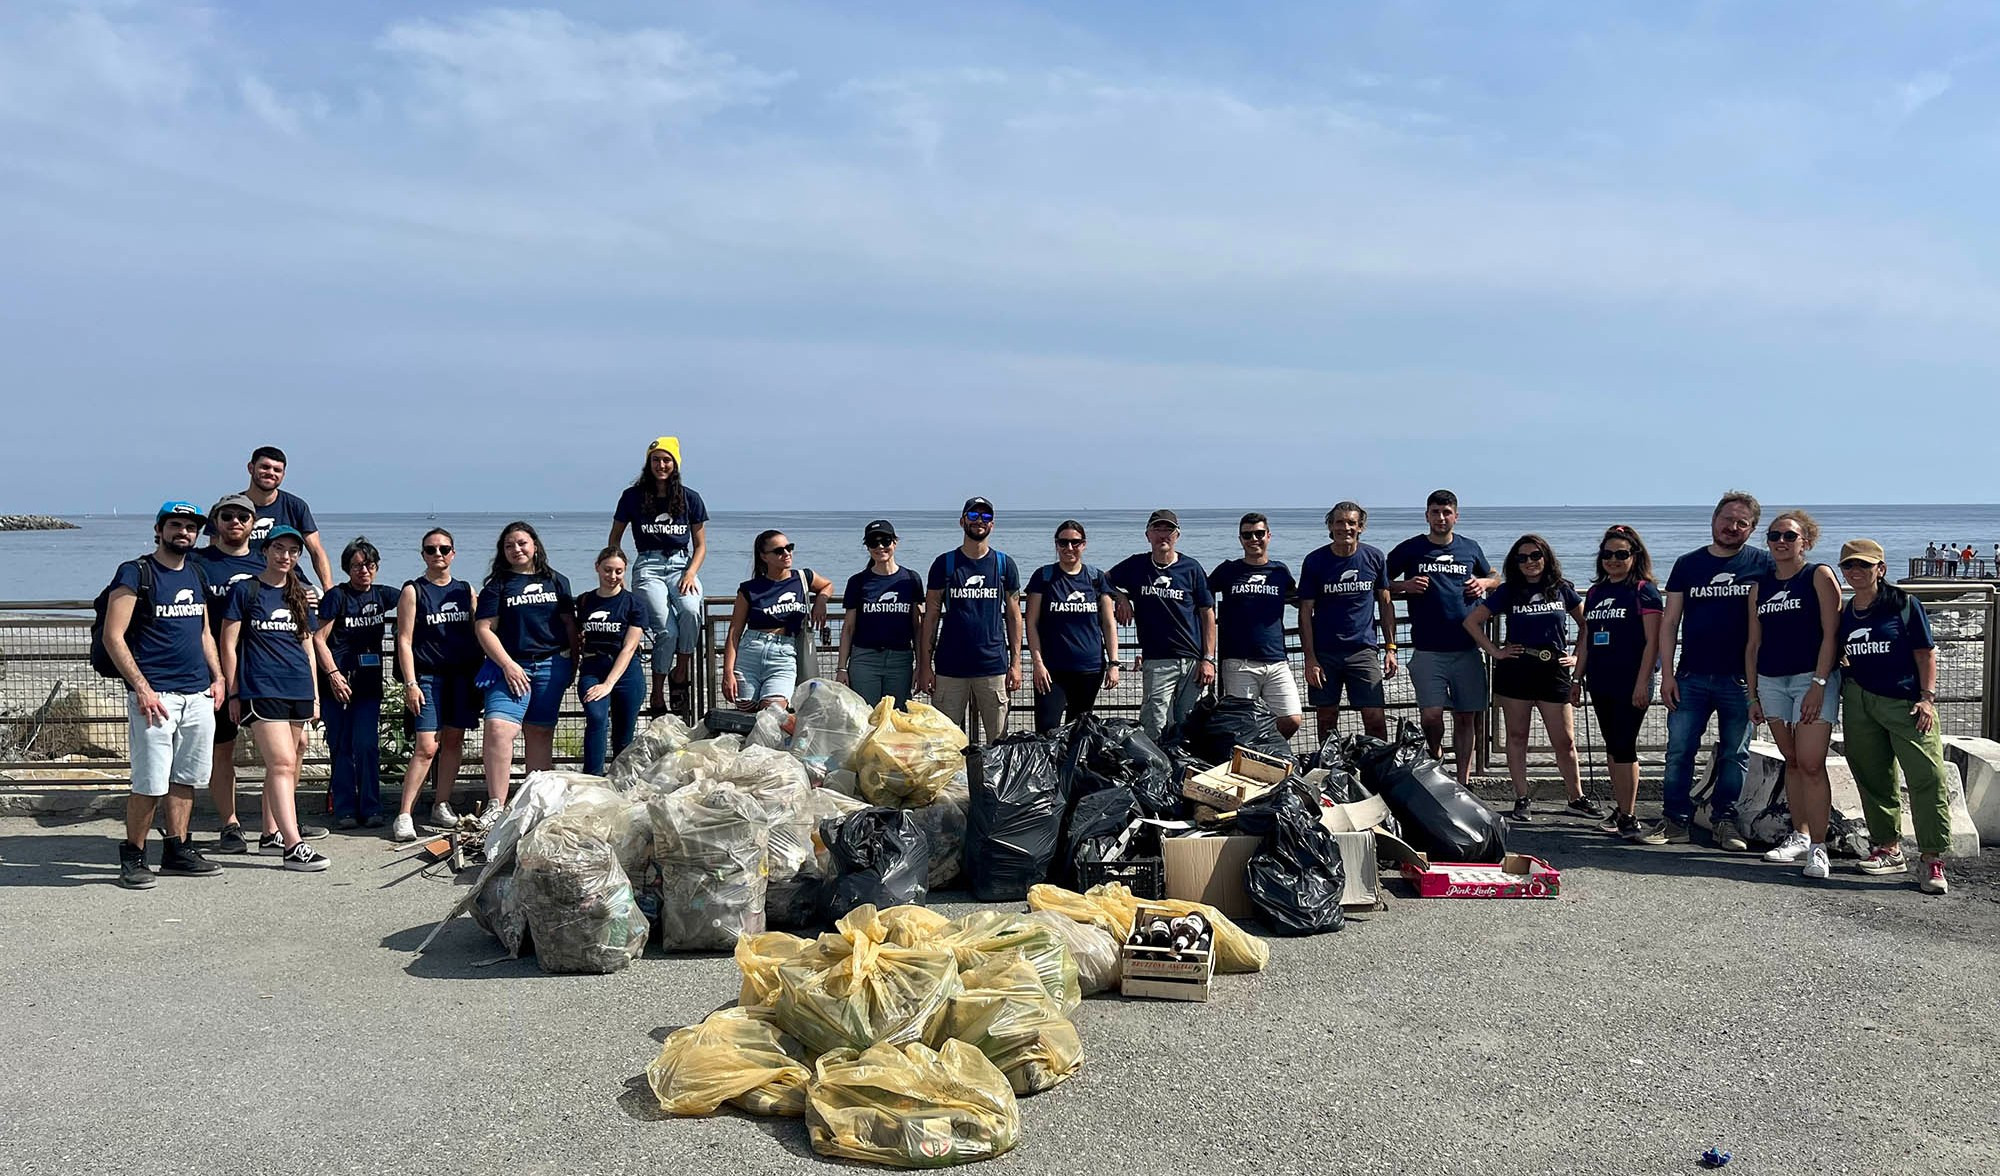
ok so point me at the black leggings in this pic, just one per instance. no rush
(1618, 723)
(1071, 694)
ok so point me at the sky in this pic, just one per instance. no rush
(1069, 256)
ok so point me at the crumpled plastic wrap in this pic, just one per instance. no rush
(1096, 954)
(769, 730)
(911, 1106)
(909, 755)
(709, 842)
(620, 819)
(677, 770)
(1113, 907)
(758, 957)
(661, 738)
(979, 937)
(1008, 1015)
(733, 1057)
(829, 722)
(860, 990)
(577, 901)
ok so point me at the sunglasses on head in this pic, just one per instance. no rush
(978, 516)
(1622, 553)
(1069, 543)
(879, 541)
(437, 549)
(1521, 557)
(787, 549)
(1781, 536)
(1252, 534)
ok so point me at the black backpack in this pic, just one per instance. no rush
(142, 613)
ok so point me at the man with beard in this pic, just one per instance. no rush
(1443, 574)
(282, 508)
(969, 654)
(1706, 611)
(1165, 595)
(156, 636)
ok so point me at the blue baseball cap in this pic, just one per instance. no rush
(176, 508)
(281, 532)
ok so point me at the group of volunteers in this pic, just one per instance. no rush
(1737, 634)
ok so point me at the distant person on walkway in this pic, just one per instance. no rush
(669, 525)
(1616, 650)
(969, 653)
(281, 508)
(353, 618)
(1791, 662)
(1072, 632)
(1931, 559)
(157, 637)
(267, 661)
(1531, 667)
(437, 655)
(1890, 693)
(1165, 595)
(225, 560)
(1442, 574)
(526, 625)
(775, 608)
(1996, 560)
(1965, 560)
(1250, 599)
(1708, 623)
(609, 623)
(1345, 614)
(884, 607)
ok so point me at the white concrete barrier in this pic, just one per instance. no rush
(1978, 763)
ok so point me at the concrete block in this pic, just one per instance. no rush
(1978, 763)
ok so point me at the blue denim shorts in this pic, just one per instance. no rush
(450, 700)
(548, 680)
(767, 666)
(1782, 697)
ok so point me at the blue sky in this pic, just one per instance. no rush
(466, 257)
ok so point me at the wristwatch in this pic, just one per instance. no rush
(1209, 660)
(1818, 681)
(1926, 696)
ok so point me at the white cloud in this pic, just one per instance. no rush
(1923, 89)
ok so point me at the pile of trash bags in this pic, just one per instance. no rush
(1435, 815)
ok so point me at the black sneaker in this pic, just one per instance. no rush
(271, 843)
(230, 840)
(1520, 812)
(313, 832)
(1583, 806)
(132, 871)
(304, 858)
(344, 824)
(179, 858)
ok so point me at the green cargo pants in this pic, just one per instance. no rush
(1881, 733)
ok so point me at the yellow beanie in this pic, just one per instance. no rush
(670, 444)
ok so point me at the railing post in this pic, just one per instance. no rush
(1989, 688)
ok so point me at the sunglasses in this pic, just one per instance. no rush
(232, 518)
(1069, 543)
(879, 541)
(437, 549)
(978, 516)
(1252, 534)
(1614, 554)
(787, 549)
(1522, 557)
(1781, 536)
(1855, 565)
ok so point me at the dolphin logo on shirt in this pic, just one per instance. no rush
(184, 596)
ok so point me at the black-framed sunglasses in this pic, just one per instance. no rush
(437, 549)
(882, 541)
(1069, 543)
(787, 549)
(1619, 555)
(1855, 565)
(1524, 557)
(1253, 534)
(233, 518)
(1781, 536)
(978, 516)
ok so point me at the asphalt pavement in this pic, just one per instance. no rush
(1669, 1000)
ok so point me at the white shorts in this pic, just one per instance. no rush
(1273, 682)
(176, 750)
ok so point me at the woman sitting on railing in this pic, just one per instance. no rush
(761, 657)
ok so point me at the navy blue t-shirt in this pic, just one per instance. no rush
(223, 571)
(602, 621)
(1537, 616)
(972, 633)
(1614, 630)
(1069, 624)
(286, 510)
(1881, 646)
(1165, 603)
(441, 637)
(528, 611)
(664, 532)
(271, 658)
(1788, 617)
(1250, 608)
(1343, 591)
(778, 604)
(165, 639)
(1715, 620)
(879, 608)
(1437, 618)
(360, 618)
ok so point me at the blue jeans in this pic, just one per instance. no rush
(767, 666)
(355, 743)
(676, 617)
(1172, 685)
(1728, 700)
(878, 673)
(616, 714)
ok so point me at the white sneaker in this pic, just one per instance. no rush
(1791, 849)
(404, 829)
(491, 816)
(442, 816)
(1816, 864)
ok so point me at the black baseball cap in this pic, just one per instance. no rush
(882, 527)
(1164, 516)
(976, 503)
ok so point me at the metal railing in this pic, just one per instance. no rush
(1944, 567)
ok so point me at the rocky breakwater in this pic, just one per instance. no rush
(13, 522)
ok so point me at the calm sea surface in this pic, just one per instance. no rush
(73, 565)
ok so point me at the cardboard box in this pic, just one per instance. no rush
(1248, 776)
(1361, 870)
(1517, 876)
(1210, 870)
(1155, 972)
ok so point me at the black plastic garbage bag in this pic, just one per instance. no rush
(879, 856)
(1217, 726)
(1296, 877)
(1117, 753)
(1015, 823)
(1437, 816)
(1095, 826)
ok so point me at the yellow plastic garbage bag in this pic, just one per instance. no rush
(909, 756)
(911, 1107)
(732, 1057)
(982, 935)
(914, 926)
(1007, 1015)
(758, 957)
(1113, 907)
(858, 990)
